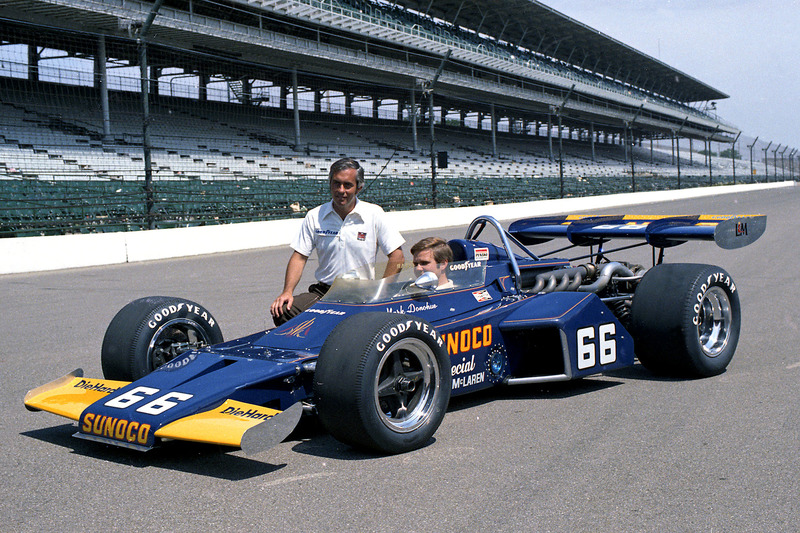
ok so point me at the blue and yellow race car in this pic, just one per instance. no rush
(377, 360)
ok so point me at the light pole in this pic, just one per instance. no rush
(775, 161)
(752, 170)
(428, 90)
(766, 161)
(783, 173)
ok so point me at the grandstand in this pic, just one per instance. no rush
(125, 114)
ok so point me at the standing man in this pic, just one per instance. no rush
(346, 233)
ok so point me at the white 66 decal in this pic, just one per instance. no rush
(597, 344)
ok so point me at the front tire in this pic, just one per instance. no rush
(685, 319)
(382, 382)
(150, 332)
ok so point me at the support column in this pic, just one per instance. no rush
(412, 115)
(494, 132)
(33, 63)
(678, 146)
(284, 96)
(672, 146)
(591, 135)
(101, 79)
(155, 74)
(202, 87)
(624, 139)
(560, 158)
(296, 109)
(348, 104)
(247, 91)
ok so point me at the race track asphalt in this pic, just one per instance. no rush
(619, 452)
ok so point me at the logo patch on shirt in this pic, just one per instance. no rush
(362, 235)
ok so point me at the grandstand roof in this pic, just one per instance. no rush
(539, 28)
(349, 56)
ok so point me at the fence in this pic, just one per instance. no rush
(252, 144)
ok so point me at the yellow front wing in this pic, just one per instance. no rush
(70, 395)
(238, 424)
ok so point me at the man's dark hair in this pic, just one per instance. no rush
(345, 163)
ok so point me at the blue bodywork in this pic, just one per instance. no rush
(493, 334)
(507, 318)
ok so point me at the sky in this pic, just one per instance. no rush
(748, 49)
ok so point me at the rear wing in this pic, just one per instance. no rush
(728, 231)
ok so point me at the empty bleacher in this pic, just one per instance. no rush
(214, 162)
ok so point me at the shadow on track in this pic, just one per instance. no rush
(193, 458)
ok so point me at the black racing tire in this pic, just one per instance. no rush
(150, 332)
(382, 382)
(685, 320)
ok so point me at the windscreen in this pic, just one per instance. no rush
(358, 286)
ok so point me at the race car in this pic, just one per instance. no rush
(377, 360)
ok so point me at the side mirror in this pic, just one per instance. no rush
(428, 280)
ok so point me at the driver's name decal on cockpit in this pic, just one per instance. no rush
(412, 308)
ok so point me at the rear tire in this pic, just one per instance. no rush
(382, 382)
(685, 319)
(150, 332)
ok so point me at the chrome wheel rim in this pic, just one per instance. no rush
(715, 320)
(174, 338)
(406, 385)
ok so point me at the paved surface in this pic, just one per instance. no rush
(621, 452)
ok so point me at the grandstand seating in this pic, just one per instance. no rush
(228, 141)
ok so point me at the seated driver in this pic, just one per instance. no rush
(432, 254)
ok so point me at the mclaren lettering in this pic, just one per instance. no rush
(468, 381)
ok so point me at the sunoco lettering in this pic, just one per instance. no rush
(115, 428)
(469, 339)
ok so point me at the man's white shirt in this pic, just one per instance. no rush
(344, 245)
